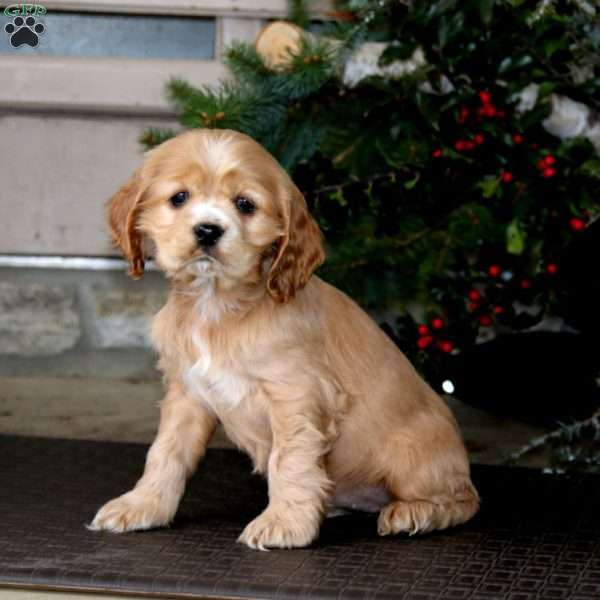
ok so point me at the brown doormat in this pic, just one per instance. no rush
(537, 536)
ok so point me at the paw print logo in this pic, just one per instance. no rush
(24, 31)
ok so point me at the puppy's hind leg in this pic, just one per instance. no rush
(420, 516)
(430, 491)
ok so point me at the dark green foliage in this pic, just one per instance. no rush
(299, 13)
(419, 182)
(154, 136)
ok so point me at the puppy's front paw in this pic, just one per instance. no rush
(131, 511)
(277, 528)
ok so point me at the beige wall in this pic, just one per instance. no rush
(58, 173)
(69, 126)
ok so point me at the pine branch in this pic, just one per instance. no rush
(557, 434)
(298, 12)
(154, 136)
(310, 68)
(250, 109)
(246, 64)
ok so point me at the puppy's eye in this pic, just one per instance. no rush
(244, 205)
(179, 199)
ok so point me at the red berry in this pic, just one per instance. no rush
(548, 172)
(474, 295)
(507, 176)
(525, 284)
(445, 346)
(577, 224)
(485, 97)
(551, 268)
(424, 341)
(423, 329)
(541, 164)
(494, 271)
(463, 114)
(437, 153)
(459, 145)
(469, 145)
(489, 111)
(498, 310)
(473, 306)
(518, 138)
(485, 320)
(437, 323)
(479, 138)
(549, 160)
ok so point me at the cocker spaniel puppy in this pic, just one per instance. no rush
(328, 408)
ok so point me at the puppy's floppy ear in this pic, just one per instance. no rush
(123, 212)
(300, 249)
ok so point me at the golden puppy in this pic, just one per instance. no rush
(330, 411)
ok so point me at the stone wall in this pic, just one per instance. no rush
(77, 323)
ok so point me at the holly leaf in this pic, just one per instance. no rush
(591, 168)
(515, 238)
(398, 50)
(510, 63)
(489, 187)
(409, 185)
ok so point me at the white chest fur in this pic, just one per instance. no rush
(216, 382)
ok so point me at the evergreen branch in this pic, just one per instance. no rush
(154, 136)
(246, 65)
(310, 68)
(249, 109)
(557, 434)
(298, 13)
(401, 243)
(340, 186)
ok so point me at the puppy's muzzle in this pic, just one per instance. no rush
(208, 234)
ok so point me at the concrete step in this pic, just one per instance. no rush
(127, 411)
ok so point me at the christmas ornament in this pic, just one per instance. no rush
(277, 42)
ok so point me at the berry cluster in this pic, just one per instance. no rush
(545, 165)
(476, 299)
(432, 336)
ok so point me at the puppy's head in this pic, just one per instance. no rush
(218, 207)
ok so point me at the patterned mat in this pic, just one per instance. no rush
(537, 536)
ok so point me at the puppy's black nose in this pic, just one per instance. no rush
(208, 234)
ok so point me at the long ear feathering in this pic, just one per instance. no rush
(300, 250)
(123, 210)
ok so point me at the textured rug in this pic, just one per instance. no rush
(537, 536)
